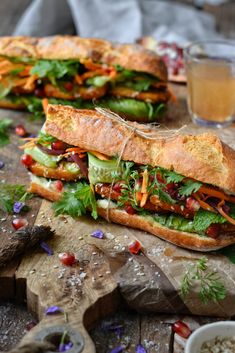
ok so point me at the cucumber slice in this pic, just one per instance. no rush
(42, 158)
(72, 167)
(102, 171)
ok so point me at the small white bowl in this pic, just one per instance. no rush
(209, 332)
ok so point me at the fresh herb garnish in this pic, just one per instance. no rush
(4, 125)
(76, 201)
(172, 177)
(157, 188)
(210, 284)
(11, 193)
(45, 139)
(189, 187)
(55, 69)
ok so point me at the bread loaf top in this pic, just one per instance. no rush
(129, 56)
(202, 157)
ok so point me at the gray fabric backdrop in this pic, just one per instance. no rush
(116, 20)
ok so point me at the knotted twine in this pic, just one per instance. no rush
(145, 131)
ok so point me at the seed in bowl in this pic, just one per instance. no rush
(219, 345)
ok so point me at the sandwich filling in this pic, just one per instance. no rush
(32, 84)
(80, 180)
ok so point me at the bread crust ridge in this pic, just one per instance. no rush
(202, 157)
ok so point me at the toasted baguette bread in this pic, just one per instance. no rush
(202, 157)
(53, 173)
(129, 56)
(186, 240)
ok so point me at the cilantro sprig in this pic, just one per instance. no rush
(55, 69)
(4, 137)
(10, 193)
(76, 201)
(210, 284)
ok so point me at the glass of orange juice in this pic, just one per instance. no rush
(210, 69)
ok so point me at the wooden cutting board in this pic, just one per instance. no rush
(105, 271)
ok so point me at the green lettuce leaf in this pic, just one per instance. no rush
(203, 219)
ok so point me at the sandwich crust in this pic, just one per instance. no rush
(202, 157)
(186, 240)
(129, 56)
(190, 241)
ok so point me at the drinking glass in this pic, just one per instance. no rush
(210, 69)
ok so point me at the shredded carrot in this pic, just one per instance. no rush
(203, 204)
(30, 82)
(216, 193)
(78, 79)
(138, 196)
(100, 156)
(75, 149)
(145, 182)
(143, 199)
(229, 219)
(45, 104)
(90, 65)
(28, 144)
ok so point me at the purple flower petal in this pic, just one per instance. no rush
(46, 248)
(18, 206)
(1, 164)
(140, 349)
(64, 347)
(53, 310)
(118, 349)
(98, 234)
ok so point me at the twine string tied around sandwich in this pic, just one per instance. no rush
(147, 131)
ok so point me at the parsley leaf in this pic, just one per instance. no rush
(75, 202)
(203, 219)
(172, 177)
(55, 69)
(9, 194)
(4, 125)
(45, 138)
(210, 284)
(189, 187)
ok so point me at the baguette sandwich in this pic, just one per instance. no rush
(180, 188)
(83, 73)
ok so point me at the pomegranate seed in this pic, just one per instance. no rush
(67, 259)
(58, 184)
(129, 209)
(18, 223)
(39, 92)
(135, 247)
(192, 204)
(20, 130)
(213, 231)
(58, 145)
(181, 329)
(27, 160)
(117, 187)
(68, 86)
